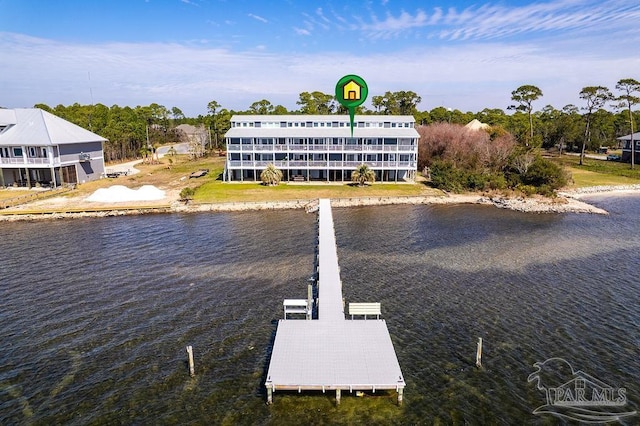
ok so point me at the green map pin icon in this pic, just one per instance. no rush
(351, 92)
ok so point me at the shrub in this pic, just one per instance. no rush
(187, 194)
(545, 175)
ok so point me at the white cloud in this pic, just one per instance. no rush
(467, 75)
(492, 21)
(301, 31)
(258, 18)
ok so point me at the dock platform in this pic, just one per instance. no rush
(330, 352)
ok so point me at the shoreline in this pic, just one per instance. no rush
(566, 202)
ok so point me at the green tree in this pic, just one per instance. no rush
(262, 107)
(525, 96)
(187, 194)
(280, 110)
(363, 174)
(396, 103)
(316, 103)
(595, 97)
(271, 175)
(213, 121)
(629, 87)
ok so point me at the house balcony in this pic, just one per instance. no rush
(320, 148)
(332, 165)
(29, 162)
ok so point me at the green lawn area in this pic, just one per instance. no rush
(213, 190)
(598, 172)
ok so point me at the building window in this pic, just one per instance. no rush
(17, 152)
(4, 152)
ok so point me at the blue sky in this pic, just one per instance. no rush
(463, 55)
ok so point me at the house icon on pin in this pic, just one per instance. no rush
(351, 91)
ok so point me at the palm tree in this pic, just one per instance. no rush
(271, 175)
(363, 174)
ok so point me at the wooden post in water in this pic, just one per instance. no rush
(400, 391)
(479, 353)
(338, 394)
(309, 300)
(190, 356)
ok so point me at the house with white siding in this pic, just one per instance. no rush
(320, 147)
(39, 148)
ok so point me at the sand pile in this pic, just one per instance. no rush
(120, 193)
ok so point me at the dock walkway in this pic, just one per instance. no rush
(332, 352)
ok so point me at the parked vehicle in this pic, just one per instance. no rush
(613, 157)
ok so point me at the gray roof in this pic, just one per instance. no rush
(324, 132)
(636, 136)
(326, 118)
(33, 126)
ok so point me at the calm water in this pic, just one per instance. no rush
(96, 314)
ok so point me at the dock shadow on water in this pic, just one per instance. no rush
(94, 327)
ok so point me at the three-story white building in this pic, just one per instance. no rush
(320, 147)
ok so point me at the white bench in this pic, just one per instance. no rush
(295, 306)
(365, 309)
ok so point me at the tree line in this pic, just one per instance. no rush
(133, 131)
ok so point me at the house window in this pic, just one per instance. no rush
(4, 152)
(17, 152)
(44, 152)
(32, 151)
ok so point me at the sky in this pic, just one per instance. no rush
(466, 55)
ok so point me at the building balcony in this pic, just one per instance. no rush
(321, 148)
(29, 162)
(332, 165)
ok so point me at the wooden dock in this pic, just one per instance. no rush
(330, 352)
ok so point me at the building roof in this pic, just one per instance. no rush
(636, 136)
(476, 124)
(326, 118)
(33, 126)
(329, 132)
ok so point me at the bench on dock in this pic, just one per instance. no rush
(365, 309)
(295, 306)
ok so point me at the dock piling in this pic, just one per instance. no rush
(479, 353)
(190, 359)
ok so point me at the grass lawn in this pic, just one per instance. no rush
(598, 172)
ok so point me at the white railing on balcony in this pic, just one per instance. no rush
(294, 164)
(30, 161)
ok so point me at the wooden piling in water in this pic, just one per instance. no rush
(190, 358)
(479, 353)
